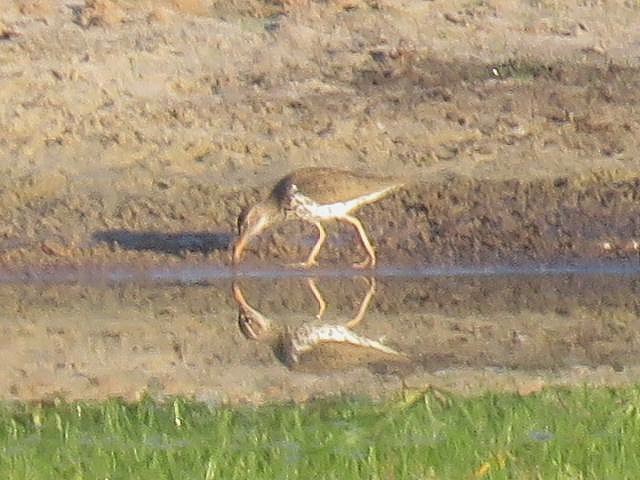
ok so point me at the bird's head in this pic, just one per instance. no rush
(253, 324)
(251, 222)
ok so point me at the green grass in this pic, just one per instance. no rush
(555, 434)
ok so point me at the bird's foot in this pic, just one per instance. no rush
(367, 263)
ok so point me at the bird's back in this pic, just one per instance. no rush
(328, 185)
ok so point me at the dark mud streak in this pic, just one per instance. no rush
(544, 221)
(583, 97)
(433, 78)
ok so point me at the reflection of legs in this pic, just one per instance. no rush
(322, 306)
(311, 259)
(364, 304)
(364, 240)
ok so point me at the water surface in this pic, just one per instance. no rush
(177, 331)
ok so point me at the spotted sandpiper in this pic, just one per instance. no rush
(317, 347)
(315, 195)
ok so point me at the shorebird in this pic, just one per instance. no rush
(316, 195)
(317, 347)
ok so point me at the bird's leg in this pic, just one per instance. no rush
(311, 259)
(322, 305)
(364, 304)
(322, 236)
(364, 240)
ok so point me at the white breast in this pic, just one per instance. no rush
(305, 207)
(332, 210)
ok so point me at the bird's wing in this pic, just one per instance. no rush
(327, 185)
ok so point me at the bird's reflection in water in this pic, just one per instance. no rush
(314, 346)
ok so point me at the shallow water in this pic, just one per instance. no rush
(189, 273)
(128, 332)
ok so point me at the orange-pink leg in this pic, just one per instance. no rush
(364, 240)
(311, 259)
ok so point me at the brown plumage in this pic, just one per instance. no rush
(316, 195)
(330, 185)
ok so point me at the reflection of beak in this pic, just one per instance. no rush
(251, 322)
(237, 295)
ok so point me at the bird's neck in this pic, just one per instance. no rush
(272, 209)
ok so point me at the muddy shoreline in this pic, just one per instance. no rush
(132, 134)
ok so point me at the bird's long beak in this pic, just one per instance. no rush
(246, 235)
(252, 323)
(238, 248)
